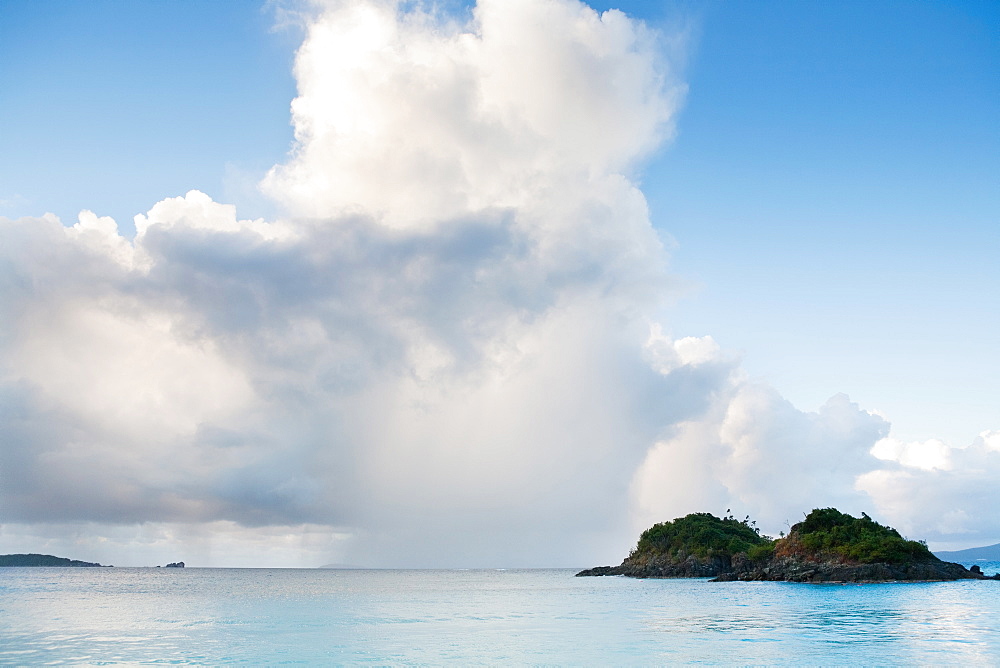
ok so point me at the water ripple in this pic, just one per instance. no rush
(221, 616)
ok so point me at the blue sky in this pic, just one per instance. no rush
(110, 105)
(832, 188)
(830, 200)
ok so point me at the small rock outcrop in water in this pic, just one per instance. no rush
(828, 546)
(44, 561)
(177, 564)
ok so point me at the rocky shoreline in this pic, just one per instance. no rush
(792, 570)
(689, 567)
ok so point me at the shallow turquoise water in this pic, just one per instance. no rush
(214, 616)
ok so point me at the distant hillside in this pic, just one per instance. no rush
(42, 560)
(988, 553)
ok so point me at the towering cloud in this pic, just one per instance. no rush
(414, 120)
(447, 353)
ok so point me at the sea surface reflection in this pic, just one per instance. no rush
(213, 616)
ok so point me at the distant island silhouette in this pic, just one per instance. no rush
(48, 561)
(827, 546)
(987, 553)
(44, 561)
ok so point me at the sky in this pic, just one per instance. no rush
(380, 284)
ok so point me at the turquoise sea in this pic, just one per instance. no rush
(270, 616)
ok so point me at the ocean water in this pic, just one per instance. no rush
(271, 616)
(987, 567)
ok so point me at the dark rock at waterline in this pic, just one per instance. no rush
(664, 567)
(600, 570)
(792, 569)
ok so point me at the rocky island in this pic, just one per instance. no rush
(698, 545)
(43, 561)
(827, 546)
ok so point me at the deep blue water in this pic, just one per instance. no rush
(217, 616)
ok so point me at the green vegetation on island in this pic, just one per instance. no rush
(829, 533)
(701, 534)
(827, 546)
(43, 560)
(696, 545)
